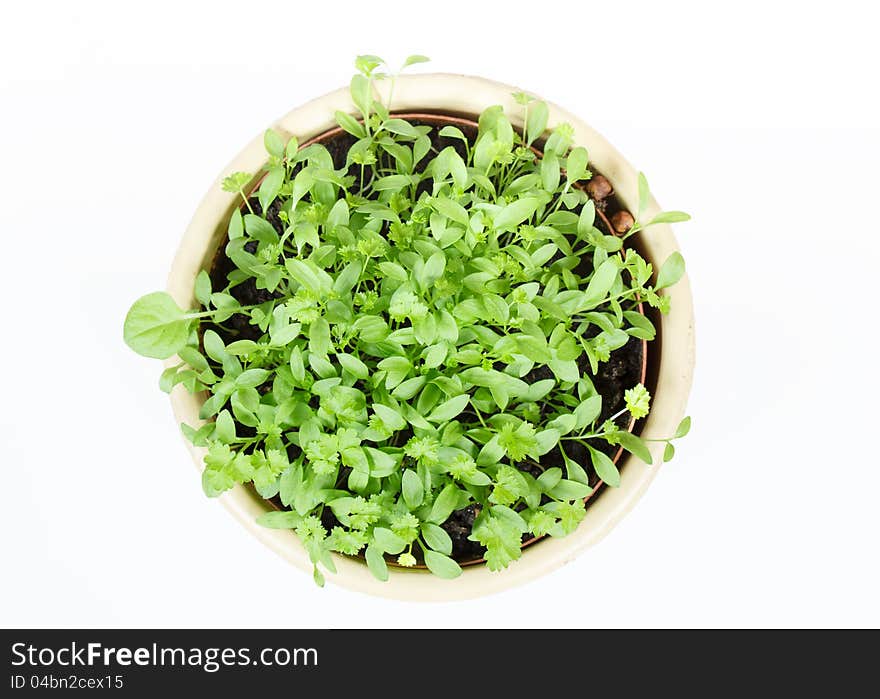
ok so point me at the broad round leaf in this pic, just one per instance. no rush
(155, 326)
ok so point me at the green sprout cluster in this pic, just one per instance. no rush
(412, 292)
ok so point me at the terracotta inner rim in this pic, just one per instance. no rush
(437, 119)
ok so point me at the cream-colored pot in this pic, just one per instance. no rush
(455, 94)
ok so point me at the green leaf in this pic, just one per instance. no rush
(441, 566)
(576, 164)
(350, 124)
(353, 366)
(167, 379)
(412, 489)
(496, 307)
(319, 337)
(574, 470)
(669, 217)
(432, 270)
(601, 282)
(638, 401)
(543, 254)
(515, 213)
(367, 63)
(235, 182)
(449, 409)
(225, 426)
(570, 490)
(361, 93)
(155, 326)
(215, 349)
(644, 194)
(587, 411)
(545, 441)
(537, 121)
(347, 279)
(292, 147)
(394, 271)
(444, 505)
(412, 60)
(274, 143)
(549, 479)
(401, 128)
(435, 355)
(500, 534)
(389, 417)
(291, 484)
(586, 220)
(392, 182)
(260, 229)
(683, 427)
(381, 463)
(425, 329)
(605, 468)
(671, 271)
(634, 445)
(563, 423)
(376, 563)
(409, 388)
(452, 132)
(236, 225)
(203, 287)
(270, 187)
(550, 172)
(396, 368)
(388, 541)
(451, 210)
(669, 452)
(297, 367)
(240, 348)
(567, 371)
(215, 482)
(642, 327)
(491, 453)
(252, 378)
(437, 538)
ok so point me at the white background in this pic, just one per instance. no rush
(761, 120)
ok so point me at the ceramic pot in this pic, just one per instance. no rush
(672, 353)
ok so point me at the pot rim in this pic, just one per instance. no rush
(456, 95)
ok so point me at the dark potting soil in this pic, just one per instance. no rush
(621, 372)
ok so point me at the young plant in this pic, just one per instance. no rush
(381, 375)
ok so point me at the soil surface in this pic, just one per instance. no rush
(621, 372)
